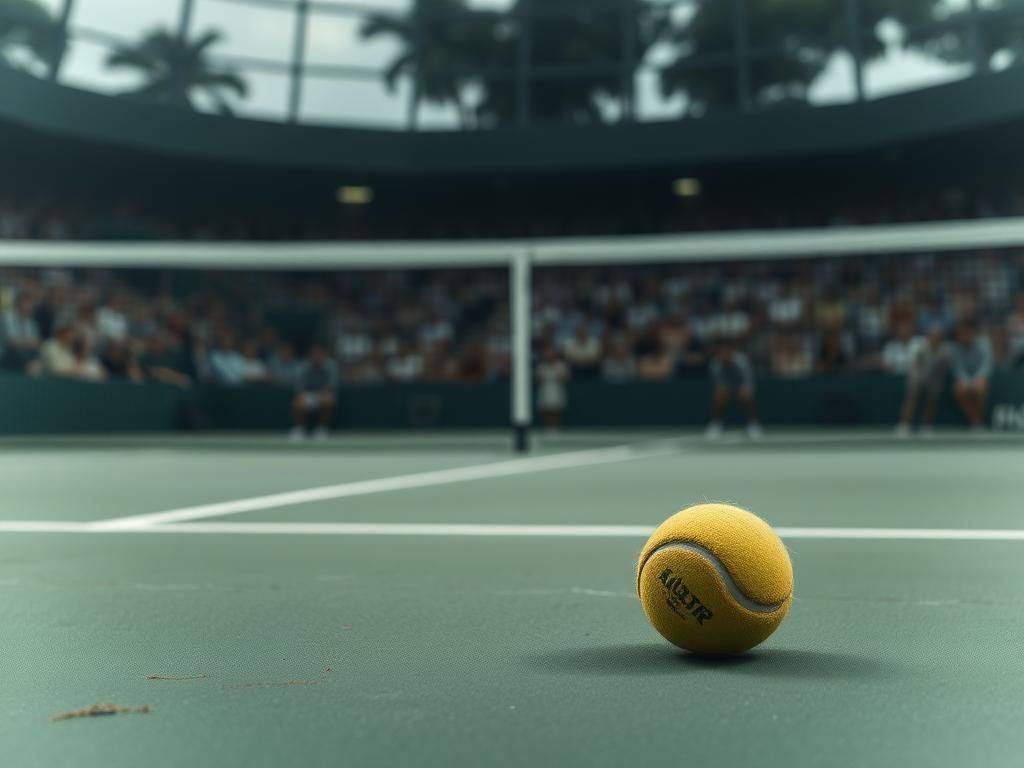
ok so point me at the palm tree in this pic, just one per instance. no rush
(802, 35)
(1001, 31)
(441, 46)
(574, 38)
(27, 27)
(446, 48)
(175, 69)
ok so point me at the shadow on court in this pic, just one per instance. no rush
(655, 659)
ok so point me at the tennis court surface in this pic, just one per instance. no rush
(393, 600)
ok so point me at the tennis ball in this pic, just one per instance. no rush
(715, 578)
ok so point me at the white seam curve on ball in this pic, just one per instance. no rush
(730, 584)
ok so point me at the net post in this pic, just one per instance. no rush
(522, 366)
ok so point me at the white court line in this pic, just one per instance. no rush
(398, 483)
(498, 531)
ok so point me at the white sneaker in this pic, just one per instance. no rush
(297, 434)
(902, 431)
(754, 431)
(714, 430)
(320, 434)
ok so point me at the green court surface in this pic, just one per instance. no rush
(456, 628)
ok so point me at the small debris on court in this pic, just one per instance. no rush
(278, 684)
(174, 677)
(101, 710)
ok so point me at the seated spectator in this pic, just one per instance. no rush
(121, 360)
(472, 362)
(56, 355)
(583, 352)
(85, 318)
(314, 393)
(162, 362)
(933, 312)
(787, 309)
(925, 365)
(87, 366)
(112, 320)
(972, 368)
(790, 358)
(283, 367)
(833, 352)
(654, 361)
(687, 351)
(227, 365)
(870, 321)
(1015, 334)
(830, 311)
(898, 351)
(439, 364)
(254, 370)
(552, 375)
(369, 370)
(406, 364)
(20, 333)
(619, 363)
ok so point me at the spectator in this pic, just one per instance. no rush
(972, 367)
(283, 367)
(87, 366)
(162, 362)
(786, 310)
(898, 352)
(732, 379)
(552, 376)
(315, 394)
(406, 364)
(833, 355)
(121, 361)
(86, 322)
(925, 362)
(583, 352)
(618, 364)
(112, 320)
(1015, 333)
(686, 349)
(56, 356)
(790, 357)
(871, 320)
(254, 370)
(20, 333)
(227, 365)
(369, 370)
(654, 362)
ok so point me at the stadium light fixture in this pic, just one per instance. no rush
(351, 195)
(686, 187)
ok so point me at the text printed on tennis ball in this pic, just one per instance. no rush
(681, 600)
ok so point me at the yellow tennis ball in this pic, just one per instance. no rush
(715, 578)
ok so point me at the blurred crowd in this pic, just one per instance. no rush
(235, 329)
(792, 318)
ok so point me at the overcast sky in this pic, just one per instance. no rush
(266, 32)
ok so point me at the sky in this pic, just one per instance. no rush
(267, 32)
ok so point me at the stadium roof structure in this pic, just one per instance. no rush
(507, 86)
(974, 105)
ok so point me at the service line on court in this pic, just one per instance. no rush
(571, 460)
(494, 531)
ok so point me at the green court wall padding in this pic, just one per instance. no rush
(42, 405)
(39, 405)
